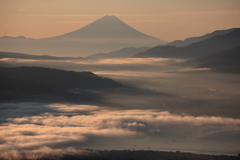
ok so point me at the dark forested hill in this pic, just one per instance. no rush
(38, 79)
(136, 155)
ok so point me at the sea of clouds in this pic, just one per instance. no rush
(40, 129)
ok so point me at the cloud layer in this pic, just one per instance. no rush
(61, 126)
(198, 113)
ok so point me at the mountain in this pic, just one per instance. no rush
(109, 29)
(156, 51)
(188, 41)
(16, 38)
(227, 61)
(139, 155)
(205, 47)
(27, 56)
(37, 84)
(39, 79)
(122, 53)
(104, 35)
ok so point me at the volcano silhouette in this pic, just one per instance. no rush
(110, 29)
(104, 35)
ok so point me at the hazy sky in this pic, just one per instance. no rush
(165, 19)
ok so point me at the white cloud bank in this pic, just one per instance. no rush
(68, 126)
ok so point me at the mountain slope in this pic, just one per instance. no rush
(199, 49)
(109, 28)
(188, 41)
(101, 36)
(227, 61)
(122, 53)
(27, 56)
(38, 79)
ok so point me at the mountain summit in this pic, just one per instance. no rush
(110, 29)
(104, 35)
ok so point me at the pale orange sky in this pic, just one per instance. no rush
(165, 19)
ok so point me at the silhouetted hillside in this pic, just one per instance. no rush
(133, 155)
(199, 49)
(227, 61)
(38, 79)
(188, 41)
(27, 56)
(122, 53)
(156, 51)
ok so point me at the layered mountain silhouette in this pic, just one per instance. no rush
(27, 56)
(103, 35)
(16, 38)
(122, 53)
(202, 48)
(39, 79)
(227, 61)
(37, 84)
(188, 41)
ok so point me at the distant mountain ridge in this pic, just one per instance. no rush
(19, 37)
(205, 47)
(188, 41)
(226, 61)
(122, 53)
(28, 56)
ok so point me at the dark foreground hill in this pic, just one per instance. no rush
(51, 85)
(131, 155)
(206, 47)
(227, 61)
(45, 79)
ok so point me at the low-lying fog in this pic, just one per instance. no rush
(187, 109)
